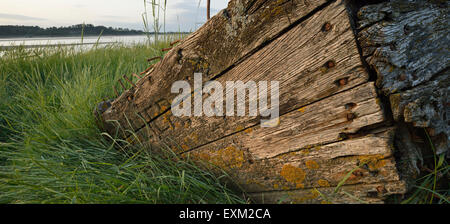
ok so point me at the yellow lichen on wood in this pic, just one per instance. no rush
(232, 156)
(293, 174)
(185, 147)
(177, 125)
(313, 194)
(239, 128)
(323, 183)
(193, 137)
(374, 162)
(227, 158)
(310, 164)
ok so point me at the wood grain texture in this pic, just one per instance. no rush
(407, 44)
(225, 40)
(298, 61)
(350, 194)
(323, 122)
(367, 159)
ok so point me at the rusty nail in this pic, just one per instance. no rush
(175, 42)
(146, 70)
(121, 84)
(115, 91)
(128, 80)
(166, 49)
(154, 58)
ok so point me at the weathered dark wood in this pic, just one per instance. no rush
(407, 44)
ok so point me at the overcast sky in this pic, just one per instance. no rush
(186, 15)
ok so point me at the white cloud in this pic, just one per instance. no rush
(16, 17)
(183, 14)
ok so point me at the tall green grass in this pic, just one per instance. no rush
(51, 150)
(432, 187)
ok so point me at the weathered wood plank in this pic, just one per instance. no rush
(298, 61)
(222, 42)
(323, 122)
(369, 159)
(360, 193)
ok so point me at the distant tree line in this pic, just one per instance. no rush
(75, 30)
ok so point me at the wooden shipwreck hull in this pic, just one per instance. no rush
(351, 91)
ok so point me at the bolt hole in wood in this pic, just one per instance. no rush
(342, 82)
(330, 64)
(327, 27)
(350, 106)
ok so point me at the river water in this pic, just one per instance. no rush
(8, 43)
(88, 42)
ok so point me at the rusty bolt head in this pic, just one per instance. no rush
(381, 189)
(330, 64)
(343, 82)
(327, 27)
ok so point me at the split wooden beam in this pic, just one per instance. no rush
(333, 142)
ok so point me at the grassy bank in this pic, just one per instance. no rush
(51, 150)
